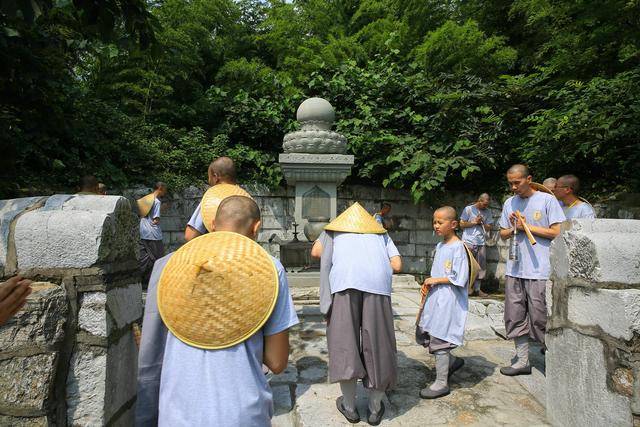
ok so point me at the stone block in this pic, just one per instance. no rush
(40, 322)
(25, 381)
(423, 250)
(425, 237)
(102, 313)
(406, 249)
(172, 223)
(413, 264)
(478, 328)
(83, 232)
(477, 308)
(100, 382)
(6, 420)
(9, 209)
(399, 237)
(424, 224)
(598, 251)
(85, 388)
(403, 222)
(617, 312)
(120, 384)
(577, 391)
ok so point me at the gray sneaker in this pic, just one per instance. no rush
(512, 372)
(427, 393)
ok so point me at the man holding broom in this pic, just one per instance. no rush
(532, 217)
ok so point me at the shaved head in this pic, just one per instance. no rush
(484, 197)
(224, 169)
(239, 214)
(519, 169)
(448, 212)
(571, 181)
(549, 182)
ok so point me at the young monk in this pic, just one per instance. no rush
(441, 326)
(361, 258)
(183, 385)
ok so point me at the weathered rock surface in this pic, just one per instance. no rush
(577, 391)
(40, 323)
(26, 381)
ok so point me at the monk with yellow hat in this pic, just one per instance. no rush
(222, 179)
(357, 260)
(151, 245)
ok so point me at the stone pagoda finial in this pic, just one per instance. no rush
(316, 116)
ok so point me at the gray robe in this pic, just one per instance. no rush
(154, 337)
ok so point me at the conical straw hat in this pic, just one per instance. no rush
(539, 187)
(212, 198)
(145, 204)
(474, 267)
(355, 220)
(217, 290)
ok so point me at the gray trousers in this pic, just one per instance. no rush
(361, 339)
(150, 251)
(525, 308)
(480, 254)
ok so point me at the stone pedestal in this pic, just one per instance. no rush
(593, 362)
(315, 176)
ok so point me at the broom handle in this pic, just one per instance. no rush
(532, 239)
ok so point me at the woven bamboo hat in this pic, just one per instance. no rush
(145, 204)
(356, 219)
(474, 267)
(217, 290)
(539, 187)
(212, 199)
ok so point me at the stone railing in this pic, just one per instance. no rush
(69, 357)
(593, 357)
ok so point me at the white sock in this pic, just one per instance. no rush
(522, 352)
(348, 389)
(375, 400)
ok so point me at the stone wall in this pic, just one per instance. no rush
(593, 362)
(67, 358)
(413, 232)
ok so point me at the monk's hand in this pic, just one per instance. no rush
(478, 219)
(427, 285)
(13, 296)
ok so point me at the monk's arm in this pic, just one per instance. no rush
(190, 233)
(396, 264)
(276, 351)
(548, 233)
(316, 249)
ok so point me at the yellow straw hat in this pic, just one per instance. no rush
(355, 220)
(212, 198)
(539, 187)
(474, 267)
(145, 204)
(217, 290)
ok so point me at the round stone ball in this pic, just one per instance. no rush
(316, 109)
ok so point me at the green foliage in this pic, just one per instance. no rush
(464, 49)
(431, 95)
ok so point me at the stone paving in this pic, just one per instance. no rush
(480, 395)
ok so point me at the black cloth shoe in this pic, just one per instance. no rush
(352, 417)
(512, 372)
(374, 418)
(427, 393)
(459, 363)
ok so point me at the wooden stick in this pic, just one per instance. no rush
(532, 239)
